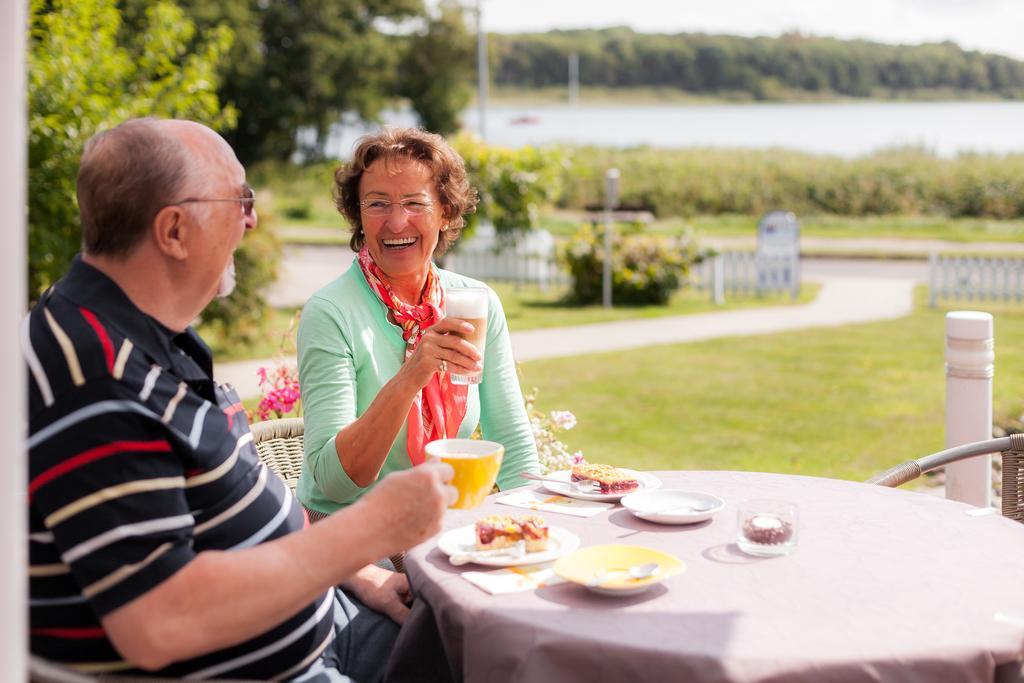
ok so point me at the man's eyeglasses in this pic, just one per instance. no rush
(248, 201)
(382, 207)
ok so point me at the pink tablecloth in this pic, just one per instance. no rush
(886, 585)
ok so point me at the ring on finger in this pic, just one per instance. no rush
(443, 368)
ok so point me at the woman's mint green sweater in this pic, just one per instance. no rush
(348, 350)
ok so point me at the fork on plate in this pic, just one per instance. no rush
(677, 508)
(513, 552)
(585, 486)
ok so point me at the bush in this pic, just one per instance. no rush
(646, 269)
(300, 210)
(513, 183)
(241, 315)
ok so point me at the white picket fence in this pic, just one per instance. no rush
(516, 265)
(975, 278)
(533, 262)
(748, 273)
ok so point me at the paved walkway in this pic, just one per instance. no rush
(841, 301)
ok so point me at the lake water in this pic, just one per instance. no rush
(846, 129)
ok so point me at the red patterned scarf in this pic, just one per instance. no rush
(438, 409)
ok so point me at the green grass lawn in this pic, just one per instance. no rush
(324, 228)
(526, 308)
(529, 308)
(844, 402)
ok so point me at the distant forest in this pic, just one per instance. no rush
(763, 68)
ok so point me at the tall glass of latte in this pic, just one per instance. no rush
(469, 304)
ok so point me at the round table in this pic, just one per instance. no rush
(884, 585)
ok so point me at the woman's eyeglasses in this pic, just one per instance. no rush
(248, 201)
(382, 207)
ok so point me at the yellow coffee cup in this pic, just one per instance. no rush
(476, 464)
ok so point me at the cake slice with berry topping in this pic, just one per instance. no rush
(503, 531)
(609, 479)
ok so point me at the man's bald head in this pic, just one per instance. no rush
(130, 172)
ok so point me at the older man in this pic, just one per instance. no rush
(157, 539)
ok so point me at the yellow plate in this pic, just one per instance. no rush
(606, 566)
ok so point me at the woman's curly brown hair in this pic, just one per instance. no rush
(447, 168)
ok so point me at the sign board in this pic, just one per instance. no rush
(778, 253)
(778, 234)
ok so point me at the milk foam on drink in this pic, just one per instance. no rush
(469, 304)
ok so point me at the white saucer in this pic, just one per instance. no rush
(647, 482)
(462, 541)
(670, 505)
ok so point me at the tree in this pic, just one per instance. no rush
(83, 80)
(315, 60)
(300, 66)
(438, 69)
(764, 67)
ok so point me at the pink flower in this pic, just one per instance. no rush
(281, 394)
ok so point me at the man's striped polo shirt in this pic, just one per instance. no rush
(137, 462)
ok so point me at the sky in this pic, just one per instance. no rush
(987, 25)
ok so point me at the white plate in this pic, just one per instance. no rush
(647, 482)
(670, 505)
(463, 541)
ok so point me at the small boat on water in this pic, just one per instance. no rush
(526, 120)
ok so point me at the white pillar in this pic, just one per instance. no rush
(574, 77)
(13, 164)
(970, 365)
(481, 70)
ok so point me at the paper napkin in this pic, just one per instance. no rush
(514, 579)
(533, 499)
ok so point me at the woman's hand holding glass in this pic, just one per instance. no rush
(443, 349)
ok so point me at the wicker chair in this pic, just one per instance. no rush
(1012, 448)
(279, 444)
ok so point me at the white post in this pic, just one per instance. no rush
(611, 198)
(970, 365)
(794, 274)
(481, 70)
(574, 77)
(13, 164)
(718, 279)
(933, 279)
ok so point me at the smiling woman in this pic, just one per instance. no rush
(401, 242)
(375, 349)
